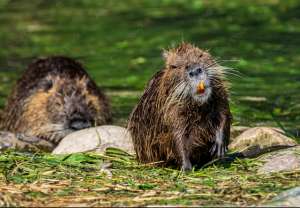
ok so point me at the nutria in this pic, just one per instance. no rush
(183, 117)
(54, 97)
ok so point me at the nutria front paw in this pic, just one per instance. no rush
(6, 140)
(10, 140)
(219, 147)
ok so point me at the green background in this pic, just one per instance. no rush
(120, 43)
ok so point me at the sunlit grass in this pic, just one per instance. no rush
(42, 179)
(120, 43)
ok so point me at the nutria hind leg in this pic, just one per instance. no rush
(186, 164)
(9, 140)
(182, 154)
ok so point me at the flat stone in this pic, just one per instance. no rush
(96, 139)
(281, 160)
(258, 140)
(237, 130)
(289, 198)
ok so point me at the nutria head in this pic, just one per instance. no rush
(192, 73)
(53, 98)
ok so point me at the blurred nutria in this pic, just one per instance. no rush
(183, 117)
(54, 97)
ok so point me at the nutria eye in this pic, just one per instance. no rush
(191, 74)
(47, 85)
(187, 67)
(199, 70)
(173, 66)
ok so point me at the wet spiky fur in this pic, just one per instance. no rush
(48, 94)
(169, 125)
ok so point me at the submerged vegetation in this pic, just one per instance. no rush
(120, 43)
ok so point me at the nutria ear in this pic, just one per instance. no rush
(165, 54)
(170, 58)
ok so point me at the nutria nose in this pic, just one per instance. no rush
(195, 71)
(78, 124)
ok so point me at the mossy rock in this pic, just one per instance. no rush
(259, 140)
(282, 160)
(288, 198)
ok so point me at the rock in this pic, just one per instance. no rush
(290, 197)
(5, 139)
(96, 139)
(237, 130)
(9, 140)
(281, 160)
(258, 140)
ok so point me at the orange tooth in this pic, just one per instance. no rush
(201, 87)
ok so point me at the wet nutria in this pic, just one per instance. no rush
(183, 117)
(54, 97)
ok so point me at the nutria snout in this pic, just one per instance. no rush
(183, 117)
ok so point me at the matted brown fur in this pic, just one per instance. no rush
(52, 93)
(175, 128)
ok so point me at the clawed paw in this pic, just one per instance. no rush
(4, 145)
(5, 141)
(186, 166)
(219, 148)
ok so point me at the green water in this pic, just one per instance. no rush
(120, 43)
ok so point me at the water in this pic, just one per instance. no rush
(121, 42)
